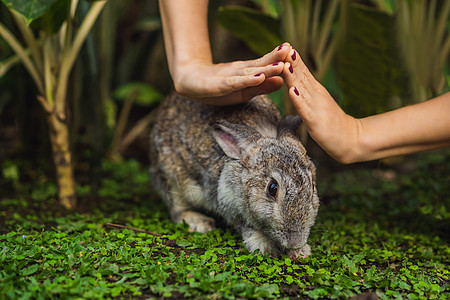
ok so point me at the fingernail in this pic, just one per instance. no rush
(259, 74)
(291, 69)
(276, 63)
(294, 56)
(280, 47)
(296, 91)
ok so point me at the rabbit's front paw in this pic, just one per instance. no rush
(198, 222)
(255, 240)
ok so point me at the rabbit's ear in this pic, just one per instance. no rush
(289, 126)
(232, 138)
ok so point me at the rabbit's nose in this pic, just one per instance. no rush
(296, 241)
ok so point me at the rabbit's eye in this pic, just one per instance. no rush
(272, 189)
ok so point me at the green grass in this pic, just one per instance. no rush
(373, 235)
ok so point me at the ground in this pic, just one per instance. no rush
(381, 232)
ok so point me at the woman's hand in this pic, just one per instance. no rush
(231, 83)
(409, 129)
(186, 37)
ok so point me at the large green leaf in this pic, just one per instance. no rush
(271, 7)
(371, 75)
(259, 31)
(30, 9)
(53, 17)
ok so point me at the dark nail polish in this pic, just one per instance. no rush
(280, 47)
(291, 69)
(259, 74)
(294, 56)
(275, 64)
(296, 91)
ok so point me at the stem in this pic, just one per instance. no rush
(441, 26)
(66, 29)
(315, 25)
(73, 8)
(288, 23)
(132, 228)
(48, 76)
(59, 135)
(8, 64)
(66, 40)
(302, 28)
(20, 51)
(429, 29)
(326, 59)
(122, 122)
(29, 38)
(47, 108)
(137, 130)
(322, 66)
(70, 53)
(326, 27)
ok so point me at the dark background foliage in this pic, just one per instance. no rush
(366, 75)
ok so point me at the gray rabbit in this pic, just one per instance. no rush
(240, 163)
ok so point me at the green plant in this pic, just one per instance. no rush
(372, 236)
(141, 94)
(311, 28)
(257, 29)
(423, 34)
(49, 57)
(371, 76)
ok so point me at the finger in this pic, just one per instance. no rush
(268, 86)
(270, 70)
(279, 54)
(294, 59)
(300, 97)
(227, 90)
(256, 77)
(218, 86)
(300, 77)
(298, 71)
(289, 75)
(236, 83)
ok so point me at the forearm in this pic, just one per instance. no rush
(419, 127)
(185, 32)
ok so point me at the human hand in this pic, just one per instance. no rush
(401, 131)
(231, 83)
(334, 130)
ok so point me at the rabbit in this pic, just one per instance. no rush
(240, 163)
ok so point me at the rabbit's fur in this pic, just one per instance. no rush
(242, 163)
